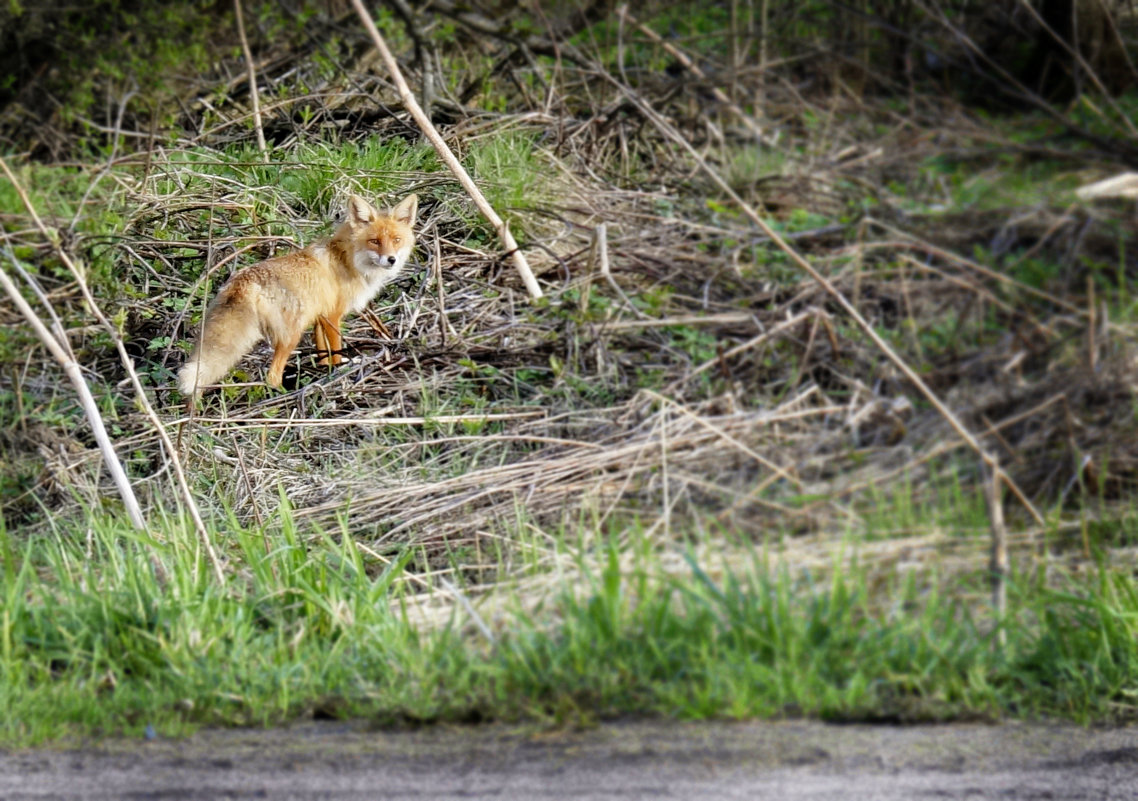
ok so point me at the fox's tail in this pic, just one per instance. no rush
(230, 330)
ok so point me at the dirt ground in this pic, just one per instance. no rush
(627, 760)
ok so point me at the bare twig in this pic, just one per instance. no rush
(464, 602)
(443, 322)
(601, 242)
(993, 493)
(248, 483)
(378, 420)
(726, 318)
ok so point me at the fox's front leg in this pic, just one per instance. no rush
(328, 340)
(321, 338)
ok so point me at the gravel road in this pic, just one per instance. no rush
(625, 760)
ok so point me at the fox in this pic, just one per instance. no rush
(280, 298)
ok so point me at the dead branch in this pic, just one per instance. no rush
(253, 93)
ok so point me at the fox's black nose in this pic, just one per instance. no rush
(390, 260)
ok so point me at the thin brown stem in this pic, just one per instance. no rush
(253, 93)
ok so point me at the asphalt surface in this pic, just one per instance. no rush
(628, 760)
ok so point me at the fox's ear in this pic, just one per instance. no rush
(360, 212)
(405, 211)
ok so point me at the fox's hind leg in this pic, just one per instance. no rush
(282, 349)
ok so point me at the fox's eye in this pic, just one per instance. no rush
(397, 240)
(373, 242)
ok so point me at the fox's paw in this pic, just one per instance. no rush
(189, 379)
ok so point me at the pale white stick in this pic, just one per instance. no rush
(63, 355)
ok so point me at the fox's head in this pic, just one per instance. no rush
(381, 241)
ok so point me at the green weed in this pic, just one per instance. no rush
(508, 167)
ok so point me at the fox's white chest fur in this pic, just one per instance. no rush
(370, 272)
(373, 276)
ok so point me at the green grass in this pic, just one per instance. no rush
(313, 176)
(106, 631)
(943, 501)
(509, 170)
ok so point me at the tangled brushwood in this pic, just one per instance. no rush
(682, 375)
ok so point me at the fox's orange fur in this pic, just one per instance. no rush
(280, 298)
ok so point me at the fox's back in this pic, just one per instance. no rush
(294, 284)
